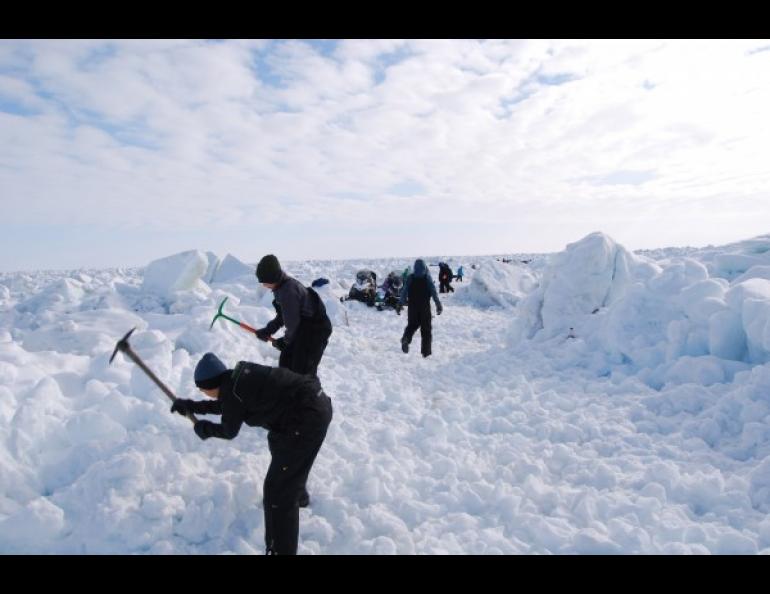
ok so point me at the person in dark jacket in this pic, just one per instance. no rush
(445, 278)
(418, 291)
(390, 291)
(301, 310)
(295, 411)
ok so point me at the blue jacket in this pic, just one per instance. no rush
(420, 269)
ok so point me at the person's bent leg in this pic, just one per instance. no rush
(316, 347)
(426, 334)
(293, 455)
(283, 485)
(313, 433)
(413, 323)
(281, 508)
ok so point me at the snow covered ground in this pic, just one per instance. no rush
(590, 401)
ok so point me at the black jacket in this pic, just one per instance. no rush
(419, 288)
(259, 396)
(292, 303)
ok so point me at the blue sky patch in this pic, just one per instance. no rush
(96, 57)
(407, 188)
(325, 47)
(522, 95)
(16, 108)
(264, 70)
(385, 61)
(555, 79)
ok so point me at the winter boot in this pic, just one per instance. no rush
(404, 345)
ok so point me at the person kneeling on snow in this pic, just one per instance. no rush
(295, 411)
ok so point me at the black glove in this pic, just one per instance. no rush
(439, 309)
(262, 334)
(202, 429)
(280, 343)
(183, 407)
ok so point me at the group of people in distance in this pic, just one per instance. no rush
(288, 400)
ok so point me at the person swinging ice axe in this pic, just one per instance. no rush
(301, 310)
(292, 407)
(295, 411)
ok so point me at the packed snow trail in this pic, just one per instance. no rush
(487, 450)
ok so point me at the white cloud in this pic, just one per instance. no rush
(207, 135)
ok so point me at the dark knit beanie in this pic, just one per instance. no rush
(269, 270)
(209, 372)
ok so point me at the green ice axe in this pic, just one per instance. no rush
(124, 347)
(243, 325)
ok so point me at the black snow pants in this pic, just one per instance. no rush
(419, 317)
(293, 452)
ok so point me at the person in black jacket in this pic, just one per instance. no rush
(301, 310)
(418, 291)
(445, 278)
(295, 411)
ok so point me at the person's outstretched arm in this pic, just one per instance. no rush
(233, 414)
(184, 406)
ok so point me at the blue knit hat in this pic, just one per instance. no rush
(209, 372)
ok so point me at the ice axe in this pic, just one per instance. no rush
(126, 349)
(243, 325)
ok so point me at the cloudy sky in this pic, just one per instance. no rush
(114, 153)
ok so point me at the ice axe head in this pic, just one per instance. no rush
(122, 344)
(219, 313)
